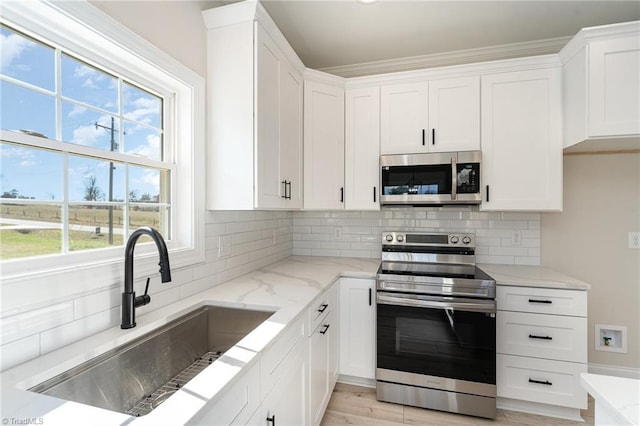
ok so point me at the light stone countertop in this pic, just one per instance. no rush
(532, 276)
(287, 287)
(617, 398)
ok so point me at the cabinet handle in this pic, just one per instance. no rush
(272, 420)
(326, 327)
(487, 193)
(369, 297)
(342, 194)
(540, 301)
(423, 137)
(433, 136)
(287, 185)
(540, 382)
(374, 194)
(323, 308)
(284, 189)
(533, 336)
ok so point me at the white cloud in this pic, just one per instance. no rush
(146, 110)
(86, 135)
(12, 47)
(76, 111)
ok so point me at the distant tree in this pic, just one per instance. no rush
(133, 195)
(145, 198)
(11, 194)
(91, 190)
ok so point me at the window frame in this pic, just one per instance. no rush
(81, 29)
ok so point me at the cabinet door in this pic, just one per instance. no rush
(454, 114)
(323, 146)
(614, 87)
(291, 136)
(357, 327)
(362, 148)
(403, 118)
(320, 368)
(267, 143)
(522, 140)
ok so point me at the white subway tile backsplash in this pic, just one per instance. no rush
(19, 351)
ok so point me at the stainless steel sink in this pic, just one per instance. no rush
(136, 377)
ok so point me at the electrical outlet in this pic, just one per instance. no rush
(337, 233)
(634, 240)
(224, 246)
(516, 237)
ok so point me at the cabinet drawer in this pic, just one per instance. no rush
(542, 300)
(278, 354)
(542, 336)
(539, 380)
(321, 307)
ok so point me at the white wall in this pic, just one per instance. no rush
(589, 241)
(358, 234)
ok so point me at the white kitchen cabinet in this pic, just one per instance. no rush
(541, 345)
(454, 114)
(323, 146)
(436, 116)
(522, 140)
(601, 87)
(286, 404)
(357, 328)
(362, 148)
(323, 356)
(254, 152)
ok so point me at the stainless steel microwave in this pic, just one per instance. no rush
(430, 179)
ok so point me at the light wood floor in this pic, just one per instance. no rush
(355, 405)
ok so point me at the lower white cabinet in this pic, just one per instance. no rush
(541, 345)
(357, 328)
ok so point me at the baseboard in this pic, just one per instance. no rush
(356, 381)
(539, 409)
(613, 370)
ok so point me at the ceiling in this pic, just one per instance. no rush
(333, 35)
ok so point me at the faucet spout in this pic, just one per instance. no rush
(129, 299)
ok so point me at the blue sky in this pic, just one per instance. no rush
(89, 97)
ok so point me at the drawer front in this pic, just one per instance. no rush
(542, 381)
(542, 336)
(277, 354)
(542, 300)
(321, 307)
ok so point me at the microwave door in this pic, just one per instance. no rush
(417, 184)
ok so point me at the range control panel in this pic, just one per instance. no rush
(434, 239)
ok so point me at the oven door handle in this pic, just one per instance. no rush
(487, 306)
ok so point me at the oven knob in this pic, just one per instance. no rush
(400, 238)
(389, 237)
(454, 239)
(466, 239)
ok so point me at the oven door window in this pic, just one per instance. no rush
(417, 180)
(437, 342)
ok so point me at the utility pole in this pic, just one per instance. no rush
(114, 146)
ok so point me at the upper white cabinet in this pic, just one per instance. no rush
(362, 148)
(436, 116)
(601, 88)
(323, 146)
(522, 140)
(254, 83)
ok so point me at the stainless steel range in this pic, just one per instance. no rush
(436, 325)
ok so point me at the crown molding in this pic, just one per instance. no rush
(483, 54)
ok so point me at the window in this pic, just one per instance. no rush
(90, 123)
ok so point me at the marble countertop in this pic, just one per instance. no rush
(618, 396)
(532, 276)
(287, 287)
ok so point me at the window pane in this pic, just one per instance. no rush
(147, 185)
(89, 226)
(156, 217)
(84, 126)
(26, 59)
(142, 141)
(30, 173)
(89, 85)
(24, 109)
(141, 106)
(91, 180)
(30, 230)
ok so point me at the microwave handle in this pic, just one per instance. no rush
(454, 178)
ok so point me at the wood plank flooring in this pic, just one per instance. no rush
(355, 405)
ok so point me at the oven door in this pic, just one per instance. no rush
(423, 339)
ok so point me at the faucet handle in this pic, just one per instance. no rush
(146, 288)
(145, 298)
